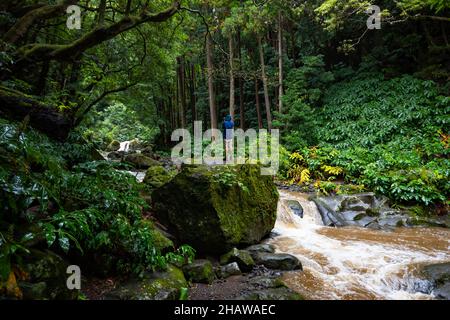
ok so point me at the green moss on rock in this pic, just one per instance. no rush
(216, 208)
(140, 161)
(166, 285)
(157, 176)
(200, 271)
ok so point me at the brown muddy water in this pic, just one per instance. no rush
(353, 262)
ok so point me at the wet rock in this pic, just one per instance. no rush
(442, 291)
(140, 161)
(355, 203)
(365, 221)
(216, 208)
(296, 207)
(157, 176)
(46, 267)
(268, 287)
(116, 155)
(228, 270)
(200, 271)
(278, 261)
(261, 248)
(366, 210)
(241, 257)
(352, 215)
(166, 285)
(439, 276)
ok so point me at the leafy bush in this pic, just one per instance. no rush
(388, 135)
(86, 207)
(117, 122)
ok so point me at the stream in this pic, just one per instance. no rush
(354, 262)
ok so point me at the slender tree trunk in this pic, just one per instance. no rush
(231, 62)
(241, 86)
(265, 85)
(192, 93)
(210, 68)
(280, 63)
(182, 95)
(258, 108)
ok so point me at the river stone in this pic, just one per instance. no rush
(157, 176)
(278, 261)
(228, 270)
(199, 271)
(163, 285)
(140, 161)
(439, 276)
(352, 215)
(116, 155)
(241, 257)
(48, 268)
(261, 248)
(216, 208)
(296, 207)
(365, 221)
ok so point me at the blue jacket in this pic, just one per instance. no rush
(227, 125)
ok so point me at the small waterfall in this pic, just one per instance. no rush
(353, 262)
(124, 146)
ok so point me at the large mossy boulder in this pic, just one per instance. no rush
(216, 208)
(46, 277)
(157, 176)
(140, 161)
(163, 285)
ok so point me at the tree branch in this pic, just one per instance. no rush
(100, 98)
(21, 27)
(39, 52)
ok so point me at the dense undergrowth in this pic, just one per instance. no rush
(55, 195)
(388, 135)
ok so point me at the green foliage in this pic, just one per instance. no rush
(119, 122)
(305, 88)
(90, 206)
(390, 139)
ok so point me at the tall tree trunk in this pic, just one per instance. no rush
(241, 86)
(192, 93)
(210, 67)
(182, 95)
(265, 85)
(231, 62)
(258, 108)
(280, 64)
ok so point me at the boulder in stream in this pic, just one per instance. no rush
(364, 210)
(140, 161)
(216, 208)
(278, 261)
(439, 276)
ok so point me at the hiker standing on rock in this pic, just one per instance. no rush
(228, 126)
